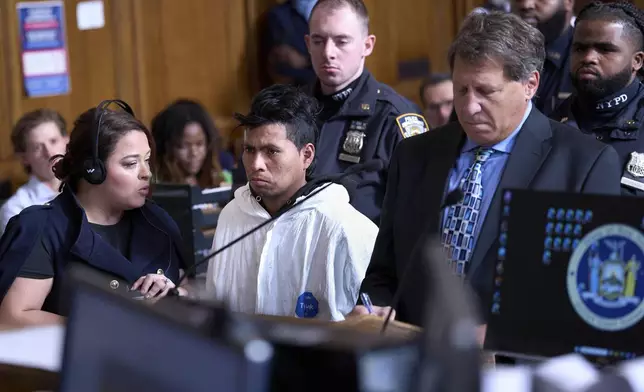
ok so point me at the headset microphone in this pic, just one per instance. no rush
(94, 170)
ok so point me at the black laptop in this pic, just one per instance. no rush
(569, 277)
(114, 343)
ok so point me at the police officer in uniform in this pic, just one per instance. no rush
(553, 19)
(361, 119)
(608, 54)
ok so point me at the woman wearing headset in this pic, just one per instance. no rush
(101, 218)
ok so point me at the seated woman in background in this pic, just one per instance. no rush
(36, 137)
(101, 218)
(188, 147)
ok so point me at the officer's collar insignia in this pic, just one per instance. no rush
(612, 103)
(631, 124)
(364, 106)
(563, 120)
(342, 95)
(411, 124)
(353, 142)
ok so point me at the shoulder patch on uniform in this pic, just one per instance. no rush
(411, 124)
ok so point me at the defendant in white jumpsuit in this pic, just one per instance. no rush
(310, 261)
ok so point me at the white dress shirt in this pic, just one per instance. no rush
(34, 192)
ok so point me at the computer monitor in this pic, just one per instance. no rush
(196, 212)
(568, 277)
(114, 343)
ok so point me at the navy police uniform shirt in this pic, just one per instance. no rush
(619, 121)
(368, 125)
(285, 26)
(555, 85)
(60, 228)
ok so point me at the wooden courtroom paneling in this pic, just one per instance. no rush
(193, 49)
(93, 72)
(407, 30)
(151, 52)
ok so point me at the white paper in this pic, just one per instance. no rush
(506, 378)
(90, 15)
(35, 347)
(633, 371)
(570, 372)
(44, 62)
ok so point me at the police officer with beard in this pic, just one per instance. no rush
(553, 19)
(607, 58)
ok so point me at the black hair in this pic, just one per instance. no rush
(168, 127)
(286, 105)
(115, 125)
(432, 80)
(620, 11)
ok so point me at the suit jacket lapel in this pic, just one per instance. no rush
(91, 248)
(531, 147)
(151, 244)
(157, 243)
(437, 169)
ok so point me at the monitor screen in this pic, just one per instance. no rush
(569, 276)
(114, 344)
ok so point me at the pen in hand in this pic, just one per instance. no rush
(367, 302)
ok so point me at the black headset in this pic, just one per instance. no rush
(93, 168)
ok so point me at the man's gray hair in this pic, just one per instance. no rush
(500, 37)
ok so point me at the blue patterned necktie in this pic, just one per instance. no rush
(458, 232)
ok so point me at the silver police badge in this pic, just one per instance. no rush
(635, 165)
(352, 146)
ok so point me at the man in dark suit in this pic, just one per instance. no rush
(500, 141)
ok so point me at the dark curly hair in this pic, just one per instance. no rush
(115, 124)
(168, 127)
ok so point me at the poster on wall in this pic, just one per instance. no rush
(43, 48)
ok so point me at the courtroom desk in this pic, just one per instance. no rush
(365, 323)
(24, 379)
(30, 358)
